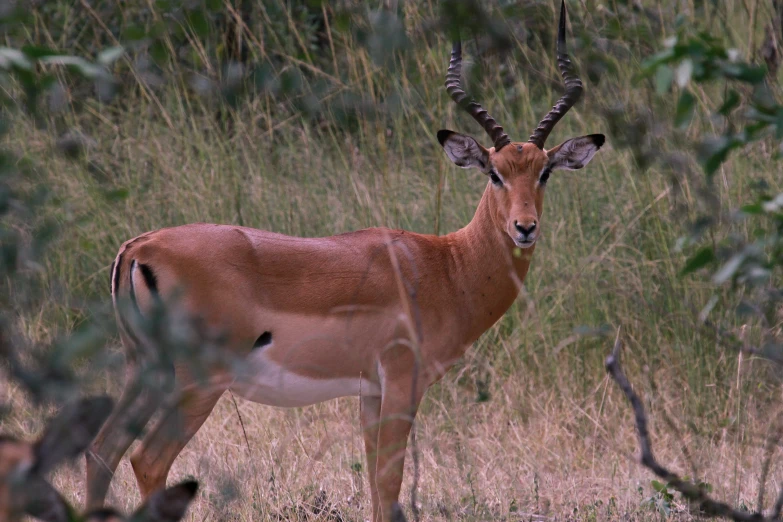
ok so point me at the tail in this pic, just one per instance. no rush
(133, 286)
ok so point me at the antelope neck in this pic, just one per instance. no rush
(487, 276)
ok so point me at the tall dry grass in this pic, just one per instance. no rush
(528, 426)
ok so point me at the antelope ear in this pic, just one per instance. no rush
(464, 151)
(575, 153)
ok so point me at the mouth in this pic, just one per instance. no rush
(524, 243)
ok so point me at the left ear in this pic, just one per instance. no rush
(575, 153)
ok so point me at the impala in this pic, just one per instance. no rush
(380, 314)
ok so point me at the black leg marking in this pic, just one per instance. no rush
(117, 274)
(149, 278)
(265, 339)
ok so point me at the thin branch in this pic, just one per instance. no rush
(730, 341)
(698, 496)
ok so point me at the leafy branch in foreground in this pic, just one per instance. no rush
(743, 247)
(23, 489)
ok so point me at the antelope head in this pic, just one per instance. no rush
(518, 172)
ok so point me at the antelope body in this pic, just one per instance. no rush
(377, 313)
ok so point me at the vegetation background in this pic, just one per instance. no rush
(314, 118)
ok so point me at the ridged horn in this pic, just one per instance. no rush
(572, 83)
(454, 88)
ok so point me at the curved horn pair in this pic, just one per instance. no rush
(572, 83)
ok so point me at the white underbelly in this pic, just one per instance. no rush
(266, 382)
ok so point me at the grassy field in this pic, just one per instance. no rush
(553, 439)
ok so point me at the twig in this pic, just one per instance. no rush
(695, 494)
(247, 442)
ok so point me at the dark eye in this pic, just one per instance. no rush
(495, 179)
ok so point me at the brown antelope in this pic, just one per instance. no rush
(24, 491)
(380, 314)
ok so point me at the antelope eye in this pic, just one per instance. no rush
(495, 179)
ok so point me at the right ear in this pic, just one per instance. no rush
(464, 151)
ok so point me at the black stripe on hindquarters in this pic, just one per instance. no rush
(117, 273)
(149, 278)
(121, 317)
(265, 339)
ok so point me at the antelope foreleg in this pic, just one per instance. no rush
(398, 409)
(371, 415)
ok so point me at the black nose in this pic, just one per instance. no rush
(525, 231)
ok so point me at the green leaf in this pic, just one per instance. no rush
(663, 79)
(35, 52)
(728, 270)
(701, 258)
(159, 52)
(117, 194)
(744, 72)
(653, 63)
(9, 253)
(729, 103)
(685, 107)
(753, 209)
(714, 151)
(773, 205)
(80, 65)
(779, 123)
(683, 72)
(14, 58)
(110, 55)
(134, 33)
(198, 21)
